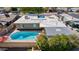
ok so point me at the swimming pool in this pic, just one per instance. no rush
(24, 35)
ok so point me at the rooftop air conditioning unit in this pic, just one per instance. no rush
(26, 17)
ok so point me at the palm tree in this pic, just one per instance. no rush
(42, 42)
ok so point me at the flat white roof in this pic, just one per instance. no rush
(52, 24)
(50, 31)
(23, 20)
(51, 21)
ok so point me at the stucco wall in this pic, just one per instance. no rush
(27, 26)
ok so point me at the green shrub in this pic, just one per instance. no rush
(60, 43)
(57, 42)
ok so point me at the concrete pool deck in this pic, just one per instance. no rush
(18, 43)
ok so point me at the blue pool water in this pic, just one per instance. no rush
(24, 35)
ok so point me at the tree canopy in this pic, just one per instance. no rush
(33, 9)
(57, 42)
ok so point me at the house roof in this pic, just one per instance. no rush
(7, 19)
(49, 21)
(53, 24)
(50, 31)
(71, 16)
(4, 19)
(29, 20)
(74, 15)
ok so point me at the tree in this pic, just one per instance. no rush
(57, 42)
(60, 43)
(32, 9)
(74, 39)
(42, 42)
(45, 9)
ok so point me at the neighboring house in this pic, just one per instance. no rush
(71, 16)
(64, 9)
(7, 22)
(1, 10)
(71, 19)
(75, 9)
(7, 8)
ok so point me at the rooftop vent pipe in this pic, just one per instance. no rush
(26, 17)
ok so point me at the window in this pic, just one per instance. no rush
(34, 25)
(22, 26)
